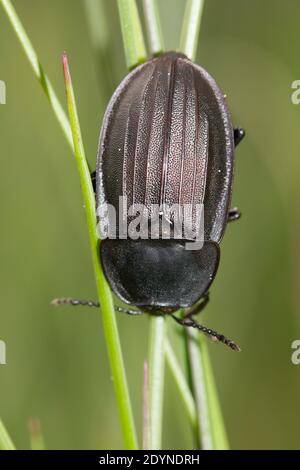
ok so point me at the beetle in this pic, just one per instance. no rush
(166, 139)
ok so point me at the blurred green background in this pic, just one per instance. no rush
(57, 366)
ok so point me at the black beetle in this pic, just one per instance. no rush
(167, 138)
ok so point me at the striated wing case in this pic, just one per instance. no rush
(167, 138)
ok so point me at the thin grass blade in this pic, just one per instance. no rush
(191, 27)
(146, 408)
(5, 440)
(211, 428)
(105, 297)
(155, 36)
(217, 425)
(200, 391)
(181, 384)
(133, 39)
(156, 379)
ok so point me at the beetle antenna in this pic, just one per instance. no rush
(212, 334)
(92, 303)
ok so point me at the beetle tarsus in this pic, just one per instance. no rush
(128, 311)
(238, 135)
(92, 303)
(212, 334)
(234, 214)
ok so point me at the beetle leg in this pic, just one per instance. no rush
(234, 214)
(196, 309)
(212, 334)
(238, 135)
(93, 178)
(92, 303)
